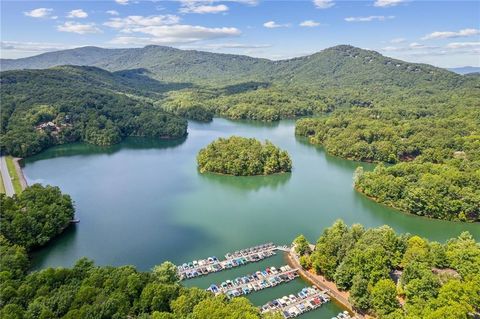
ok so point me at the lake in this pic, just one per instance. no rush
(143, 201)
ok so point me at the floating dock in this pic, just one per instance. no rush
(308, 299)
(270, 277)
(212, 264)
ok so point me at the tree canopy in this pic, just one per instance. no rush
(34, 217)
(426, 274)
(433, 141)
(41, 108)
(241, 156)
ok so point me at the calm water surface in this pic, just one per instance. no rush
(143, 201)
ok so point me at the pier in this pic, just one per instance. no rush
(212, 264)
(307, 299)
(270, 277)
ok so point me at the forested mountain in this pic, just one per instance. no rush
(41, 108)
(384, 110)
(79, 56)
(164, 63)
(340, 65)
(345, 65)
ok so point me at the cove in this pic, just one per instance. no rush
(143, 201)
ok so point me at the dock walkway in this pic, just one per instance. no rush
(340, 296)
(209, 265)
(259, 280)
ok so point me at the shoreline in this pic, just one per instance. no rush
(338, 296)
(19, 170)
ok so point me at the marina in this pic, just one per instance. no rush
(270, 277)
(212, 264)
(308, 299)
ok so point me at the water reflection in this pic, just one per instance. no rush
(247, 183)
(85, 149)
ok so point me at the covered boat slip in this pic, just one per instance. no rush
(293, 305)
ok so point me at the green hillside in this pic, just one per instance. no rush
(339, 66)
(41, 108)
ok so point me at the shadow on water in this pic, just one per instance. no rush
(254, 123)
(173, 242)
(65, 238)
(247, 183)
(331, 159)
(85, 149)
(422, 226)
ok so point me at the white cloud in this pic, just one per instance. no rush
(248, 2)
(77, 13)
(309, 23)
(398, 40)
(237, 46)
(187, 33)
(451, 34)
(79, 28)
(112, 12)
(164, 29)
(220, 46)
(32, 46)
(273, 25)
(201, 7)
(410, 47)
(416, 46)
(122, 2)
(130, 22)
(323, 4)
(368, 19)
(40, 13)
(171, 34)
(387, 3)
(16, 49)
(459, 45)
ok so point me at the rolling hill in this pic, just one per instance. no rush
(338, 66)
(122, 92)
(41, 108)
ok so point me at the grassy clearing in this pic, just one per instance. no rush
(2, 188)
(13, 174)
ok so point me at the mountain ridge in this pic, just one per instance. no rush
(330, 66)
(464, 70)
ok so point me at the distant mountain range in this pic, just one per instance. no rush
(337, 66)
(466, 69)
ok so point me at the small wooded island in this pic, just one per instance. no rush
(242, 156)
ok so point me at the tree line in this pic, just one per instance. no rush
(434, 144)
(398, 276)
(39, 214)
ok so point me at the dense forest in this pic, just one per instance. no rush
(398, 276)
(437, 139)
(34, 217)
(365, 107)
(41, 108)
(85, 290)
(242, 156)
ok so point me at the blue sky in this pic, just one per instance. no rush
(442, 33)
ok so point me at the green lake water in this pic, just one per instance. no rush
(143, 201)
